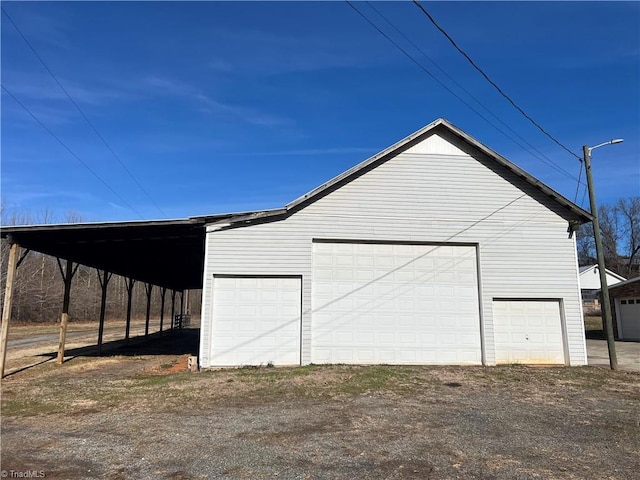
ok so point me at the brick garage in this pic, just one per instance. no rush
(625, 309)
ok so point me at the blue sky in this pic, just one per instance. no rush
(217, 107)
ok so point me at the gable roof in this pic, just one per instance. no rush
(572, 212)
(585, 269)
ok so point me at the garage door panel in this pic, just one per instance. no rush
(528, 331)
(398, 293)
(256, 320)
(628, 309)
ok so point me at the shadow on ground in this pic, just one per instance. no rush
(170, 342)
(594, 334)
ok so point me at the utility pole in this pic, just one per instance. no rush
(606, 306)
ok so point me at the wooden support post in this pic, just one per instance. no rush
(173, 308)
(163, 292)
(129, 283)
(104, 278)
(67, 276)
(149, 289)
(8, 299)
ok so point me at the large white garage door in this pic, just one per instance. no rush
(528, 331)
(383, 303)
(629, 315)
(256, 320)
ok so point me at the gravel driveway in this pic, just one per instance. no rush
(139, 416)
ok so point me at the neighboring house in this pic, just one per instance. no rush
(625, 309)
(590, 285)
(436, 250)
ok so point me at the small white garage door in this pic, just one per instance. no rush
(395, 303)
(528, 331)
(256, 320)
(629, 315)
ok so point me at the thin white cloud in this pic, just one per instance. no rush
(308, 152)
(44, 88)
(207, 104)
(43, 29)
(269, 53)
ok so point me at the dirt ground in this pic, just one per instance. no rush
(137, 413)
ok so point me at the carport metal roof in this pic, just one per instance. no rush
(167, 253)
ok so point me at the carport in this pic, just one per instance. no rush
(168, 254)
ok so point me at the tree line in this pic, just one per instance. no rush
(620, 232)
(38, 287)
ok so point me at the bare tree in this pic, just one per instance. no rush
(620, 231)
(629, 212)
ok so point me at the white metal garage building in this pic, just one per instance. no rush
(435, 251)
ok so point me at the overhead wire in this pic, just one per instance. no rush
(494, 84)
(435, 64)
(93, 172)
(100, 136)
(575, 197)
(436, 79)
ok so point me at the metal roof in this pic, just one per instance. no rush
(569, 210)
(167, 253)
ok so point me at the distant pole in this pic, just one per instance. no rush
(163, 293)
(173, 308)
(181, 309)
(149, 289)
(606, 306)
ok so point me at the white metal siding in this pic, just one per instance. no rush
(524, 248)
(528, 332)
(397, 304)
(256, 321)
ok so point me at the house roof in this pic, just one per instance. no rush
(623, 284)
(587, 268)
(571, 211)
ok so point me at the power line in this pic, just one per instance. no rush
(424, 69)
(575, 197)
(83, 114)
(433, 62)
(528, 117)
(71, 152)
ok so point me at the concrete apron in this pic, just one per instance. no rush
(628, 354)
